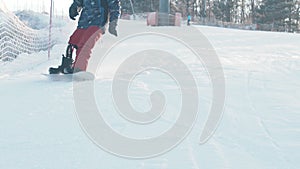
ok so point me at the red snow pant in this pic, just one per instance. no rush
(85, 40)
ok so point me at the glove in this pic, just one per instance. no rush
(112, 27)
(73, 11)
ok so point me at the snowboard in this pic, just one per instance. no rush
(79, 76)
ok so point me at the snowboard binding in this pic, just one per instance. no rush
(66, 66)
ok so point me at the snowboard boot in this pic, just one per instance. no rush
(66, 62)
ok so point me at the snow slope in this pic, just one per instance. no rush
(39, 21)
(260, 126)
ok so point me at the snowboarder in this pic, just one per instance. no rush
(189, 18)
(95, 14)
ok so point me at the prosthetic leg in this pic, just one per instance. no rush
(66, 66)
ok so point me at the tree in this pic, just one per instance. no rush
(278, 13)
(252, 10)
(140, 6)
(297, 14)
(293, 16)
(281, 14)
(223, 10)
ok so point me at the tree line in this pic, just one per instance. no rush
(277, 13)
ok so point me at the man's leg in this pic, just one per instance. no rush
(76, 36)
(87, 41)
(67, 61)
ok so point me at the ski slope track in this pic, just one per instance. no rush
(259, 129)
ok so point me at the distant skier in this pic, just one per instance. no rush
(189, 18)
(95, 14)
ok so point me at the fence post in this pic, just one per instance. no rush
(50, 29)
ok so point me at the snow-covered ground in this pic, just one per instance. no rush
(36, 20)
(260, 127)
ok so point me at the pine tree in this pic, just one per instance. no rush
(140, 6)
(224, 10)
(274, 12)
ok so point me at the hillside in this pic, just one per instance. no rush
(259, 127)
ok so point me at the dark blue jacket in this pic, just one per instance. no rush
(96, 12)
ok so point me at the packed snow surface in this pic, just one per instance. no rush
(259, 129)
